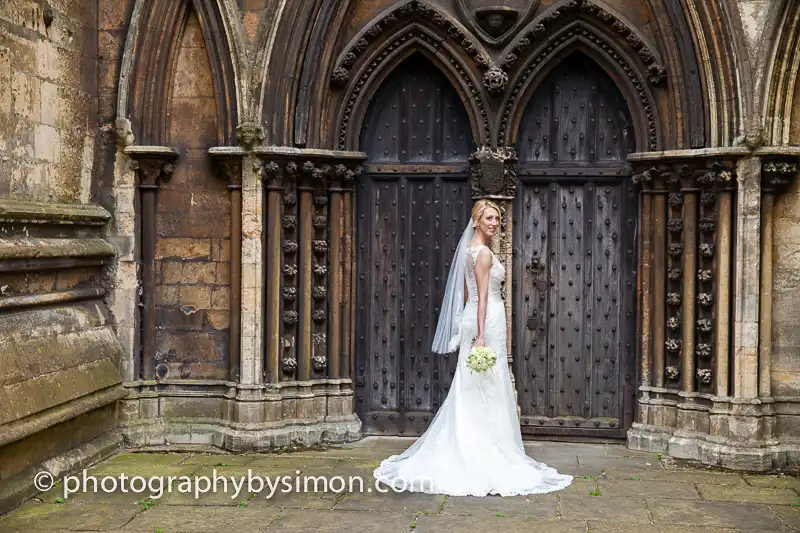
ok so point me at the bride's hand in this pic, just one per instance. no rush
(478, 342)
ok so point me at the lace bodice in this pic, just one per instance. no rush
(497, 273)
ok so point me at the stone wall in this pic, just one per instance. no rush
(59, 368)
(786, 283)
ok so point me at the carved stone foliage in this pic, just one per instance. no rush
(545, 25)
(777, 175)
(577, 20)
(493, 172)
(411, 11)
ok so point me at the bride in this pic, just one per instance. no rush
(473, 446)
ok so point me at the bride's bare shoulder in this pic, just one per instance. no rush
(483, 256)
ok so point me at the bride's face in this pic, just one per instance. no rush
(489, 221)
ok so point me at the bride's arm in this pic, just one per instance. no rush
(482, 265)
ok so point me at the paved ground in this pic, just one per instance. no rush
(615, 490)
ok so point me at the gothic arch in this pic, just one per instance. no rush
(621, 68)
(379, 65)
(781, 73)
(149, 58)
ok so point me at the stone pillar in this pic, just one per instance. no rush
(229, 168)
(776, 176)
(153, 165)
(747, 278)
(252, 324)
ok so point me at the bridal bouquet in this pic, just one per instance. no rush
(481, 359)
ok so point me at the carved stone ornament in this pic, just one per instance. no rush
(290, 317)
(320, 246)
(319, 315)
(705, 275)
(290, 270)
(703, 350)
(707, 249)
(289, 293)
(249, 134)
(319, 362)
(675, 199)
(708, 198)
(675, 274)
(289, 246)
(290, 198)
(319, 222)
(495, 80)
(707, 224)
(289, 365)
(425, 13)
(673, 373)
(123, 132)
(495, 22)
(319, 292)
(705, 299)
(673, 345)
(776, 176)
(675, 249)
(493, 172)
(704, 325)
(704, 375)
(674, 299)
(289, 221)
(674, 322)
(320, 270)
(675, 225)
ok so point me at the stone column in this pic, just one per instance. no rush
(229, 167)
(747, 278)
(776, 176)
(252, 304)
(153, 165)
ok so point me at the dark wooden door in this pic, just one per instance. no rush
(413, 202)
(574, 267)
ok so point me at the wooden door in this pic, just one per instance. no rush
(413, 202)
(574, 257)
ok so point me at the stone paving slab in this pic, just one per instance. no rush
(747, 517)
(614, 490)
(633, 486)
(591, 507)
(35, 516)
(494, 524)
(742, 493)
(536, 506)
(340, 522)
(621, 527)
(177, 519)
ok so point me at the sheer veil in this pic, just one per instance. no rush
(448, 330)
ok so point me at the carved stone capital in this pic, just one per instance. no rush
(311, 167)
(777, 174)
(493, 172)
(153, 164)
(249, 135)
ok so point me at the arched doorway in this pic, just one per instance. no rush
(413, 202)
(574, 256)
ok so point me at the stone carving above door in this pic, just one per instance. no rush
(495, 21)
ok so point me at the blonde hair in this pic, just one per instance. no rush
(481, 206)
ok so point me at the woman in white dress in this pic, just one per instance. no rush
(473, 446)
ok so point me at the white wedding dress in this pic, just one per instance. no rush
(473, 446)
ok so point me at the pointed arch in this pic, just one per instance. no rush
(149, 59)
(413, 39)
(402, 15)
(620, 67)
(781, 75)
